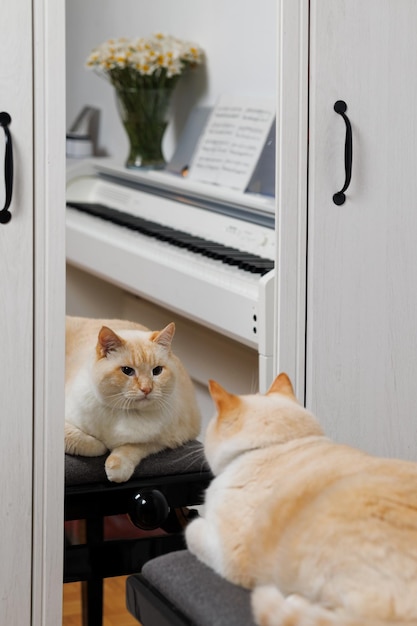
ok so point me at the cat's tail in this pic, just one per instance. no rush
(271, 608)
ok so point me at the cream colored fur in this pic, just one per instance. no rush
(323, 533)
(132, 412)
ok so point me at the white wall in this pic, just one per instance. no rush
(238, 36)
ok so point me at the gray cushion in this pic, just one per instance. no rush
(198, 592)
(186, 459)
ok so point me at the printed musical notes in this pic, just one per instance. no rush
(232, 142)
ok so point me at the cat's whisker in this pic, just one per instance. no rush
(120, 395)
(162, 402)
(192, 455)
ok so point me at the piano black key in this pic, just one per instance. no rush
(211, 249)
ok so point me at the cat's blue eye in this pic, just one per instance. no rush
(129, 371)
(157, 370)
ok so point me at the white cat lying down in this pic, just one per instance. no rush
(324, 533)
(125, 392)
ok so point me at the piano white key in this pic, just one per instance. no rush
(210, 292)
(223, 229)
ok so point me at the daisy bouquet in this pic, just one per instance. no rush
(147, 62)
(144, 72)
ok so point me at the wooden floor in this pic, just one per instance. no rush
(115, 612)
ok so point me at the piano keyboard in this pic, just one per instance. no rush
(213, 268)
(230, 256)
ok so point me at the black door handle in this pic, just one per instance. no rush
(5, 215)
(341, 108)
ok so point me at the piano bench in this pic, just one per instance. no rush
(177, 590)
(157, 496)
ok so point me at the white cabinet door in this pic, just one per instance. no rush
(16, 318)
(362, 255)
(32, 314)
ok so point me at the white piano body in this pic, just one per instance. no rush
(224, 298)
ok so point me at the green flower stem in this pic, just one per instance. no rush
(144, 113)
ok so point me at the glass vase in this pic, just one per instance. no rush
(144, 113)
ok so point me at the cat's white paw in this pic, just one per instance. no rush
(118, 468)
(79, 443)
(194, 535)
(269, 606)
(202, 541)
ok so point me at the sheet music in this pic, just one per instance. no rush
(232, 142)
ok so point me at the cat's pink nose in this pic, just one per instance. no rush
(146, 390)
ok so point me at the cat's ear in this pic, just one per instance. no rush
(107, 342)
(282, 384)
(223, 400)
(164, 337)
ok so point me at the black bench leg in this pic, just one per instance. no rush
(92, 588)
(92, 602)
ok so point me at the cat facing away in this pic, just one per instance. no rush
(126, 392)
(323, 533)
